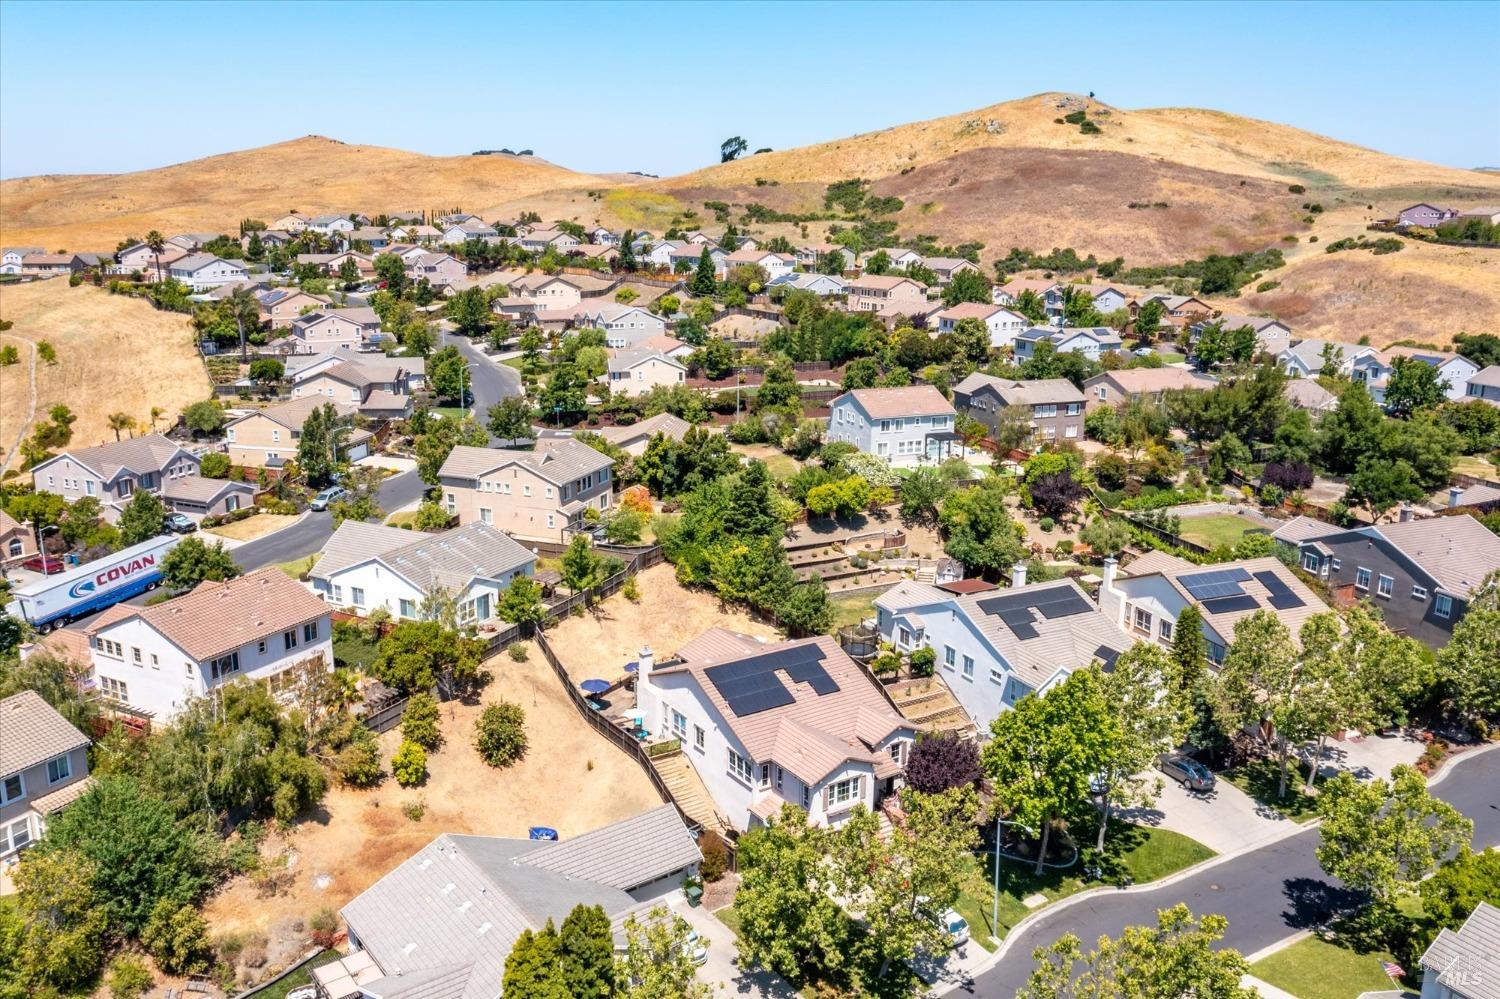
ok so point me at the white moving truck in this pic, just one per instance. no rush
(53, 601)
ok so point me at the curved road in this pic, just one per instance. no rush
(489, 380)
(308, 534)
(1268, 894)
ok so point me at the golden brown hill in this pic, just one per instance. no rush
(312, 175)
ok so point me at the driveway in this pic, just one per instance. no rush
(720, 970)
(1366, 757)
(1226, 821)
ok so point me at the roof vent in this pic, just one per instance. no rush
(409, 948)
(483, 928)
(447, 887)
(466, 906)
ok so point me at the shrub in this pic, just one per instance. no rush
(324, 924)
(923, 662)
(414, 810)
(1065, 546)
(1296, 189)
(886, 663)
(409, 765)
(1432, 756)
(177, 937)
(357, 763)
(517, 652)
(419, 723)
(1272, 495)
(500, 734)
(631, 590)
(1047, 524)
(715, 860)
(128, 977)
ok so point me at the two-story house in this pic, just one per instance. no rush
(12, 257)
(1104, 299)
(1464, 963)
(114, 471)
(623, 325)
(1376, 369)
(553, 294)
(281, 307)
(440, 269)
(1003, 324)
(329, 225)
(1009, 293)
(774, 264)
(379, 390)
(887, 295)
(946, 268)
(687, 256)
(1146, 599)
(368, 566)
(542, 240)
(326, 329)
(389, 372)
(153, 660)
(1181, 312)
(1485, 385)
(767, 724)
(822, 285)
(1092, 342)
(202, 271)
(1112, 388)
(809, 254)
(1420, 573)
(1054, 405)
(1304, 359)
(1271, 335)
(290, 222)
(268, 438)
(539, 494)
(995, 647)
(1423, 214)
(44, 767)
(141, 259)
(905, 425)
(634, 371)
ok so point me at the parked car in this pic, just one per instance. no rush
(697, 950)
(45, 564)
(957, 927)
(328, 497)
(1186, 771)
(178, 523)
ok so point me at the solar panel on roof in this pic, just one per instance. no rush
(1067, 603)
(1226, 605)
(751, 685)
(1282, 598)
(1107, 656)
(1215, 583)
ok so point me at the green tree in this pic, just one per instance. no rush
(128, 978)
(420, 722)
(1148, 319)
(205, 417)
(657, 963)
(141, 519)
(1351, 431)
(1457, 887)
(510, 419)
(971, 338)
(978, 528)
(1189, 649)
(1150, 717)
(469, 311)
(441, 437)
(447, 373)
(522, 602)
(409, 764)
(1414, 385)
(46, 352)
(58, 940)
(779, 390)
(704, 282)
(500, 734)
(1043, 752)
(9, 355)
(805, 610)
(215, 465)
(1470, 662)
(731, 148)
(391, 271)
(177, 938)
(581, 568)
(266, 371)
(193, 560)
(1175, 958)
(1382, 838)
(586, 944)
(419, 655)
(1105, 536)
(120, 421)
(967, 286)
(534, 969)
(1378, 485)
(1257, 681)
(922, 494)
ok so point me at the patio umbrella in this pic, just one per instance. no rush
(594, 686)
(632, 667)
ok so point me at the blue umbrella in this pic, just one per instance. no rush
(543, 833)
(632, 667)
(594, 686)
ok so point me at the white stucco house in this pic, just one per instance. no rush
(1003, 324)
(202, 271)
(905, 426)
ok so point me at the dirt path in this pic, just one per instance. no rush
(30, 405)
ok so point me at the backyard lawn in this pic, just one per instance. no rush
(1316, 969)
(297, 566)
(450, 412)
(302, 976)
(1260, 780)
(1141, 853)
(850, 609)
(1214, 529)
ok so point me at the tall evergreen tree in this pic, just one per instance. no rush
(533, 969)
(587, 946)
(704, 282)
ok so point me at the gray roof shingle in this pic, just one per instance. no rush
(557, 461)
(32, 732)
(1467, 962)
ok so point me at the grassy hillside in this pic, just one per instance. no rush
(311, 174)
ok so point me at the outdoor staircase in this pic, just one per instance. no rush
(687, 789)
(927, 575)
(934, 708)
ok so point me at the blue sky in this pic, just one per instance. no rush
(559, 78)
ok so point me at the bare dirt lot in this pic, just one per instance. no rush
(114, 354)
(571, 779)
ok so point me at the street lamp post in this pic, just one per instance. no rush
(995, 909)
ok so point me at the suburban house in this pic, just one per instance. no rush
(887, 295)
(44, 767)
(995, 647)
(152, 660)
(283, 306)
(290, 222)
(1428, 216)
(822, 285)
(327, 225)
(12, 257)
(141, 258)
(608, 252)
(441, 925)
(1002, 323)
(768, 724)
(774, 264)
(191, 241)
(375, 237)
(690, 253)
(551, 293)
(1485, 385)
(623, 325)
(946, 267)
(416, 232)
(1306, 393)
(601, 236)
(1091, 341)
(808, 255)
(634, 371)
(440, 269)
(1054, 405)
(199, 497)
(17, 540)
(114, 471)
(1304, 359)
(1271, 335)
(1114, 387)
(1147, 598)
(379, 387)
(46, 264)
(1464, 964)
(1011, 291)
(1420, 573)
(541, 240)
(632, 439)
(900, 257)
(905, 425)
(368, 566)
(669, 345)
(391, 372)
(1104, 298)
(1375, 369)
(268, 438)
(202, 271)
(1485, 213)
(539, 494)
(331, 329)
(1181, 310)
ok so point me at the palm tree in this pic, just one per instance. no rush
(120, 421)
(243, 306)
(156, 413)
(157, 242)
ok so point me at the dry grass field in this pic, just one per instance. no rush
(114, 354)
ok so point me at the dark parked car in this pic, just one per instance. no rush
(1188, 772)
(178, 523)
(45, 564)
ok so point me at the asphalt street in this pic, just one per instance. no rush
(489, 381)
(1267, 894)
(308, 534)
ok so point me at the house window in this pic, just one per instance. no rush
(1336, 565)
(484, 515)
(1310, 561)
(155, 662)
(679, 724)
(135, 653)
(13, 788)
(1385, 587)
(740, 767)
(895, 750)
(1442, 605)
(1361, 578)
(289, 639)
(356, 596)
(89, 488)
(905, 637)
(1418, 592)
(843, 792)
(224, 665)
(1143, 620)
(765, 775)
(59, 769)
(698, 736)
(310, 631)
(948, 656)
(260, 647)
(969, 668)
(996, 676)
(110, 648)
(408, 608)
(19, 834)
(114, 689)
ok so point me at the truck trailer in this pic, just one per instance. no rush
(53, 601)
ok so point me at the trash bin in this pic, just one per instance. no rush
(694, 894)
